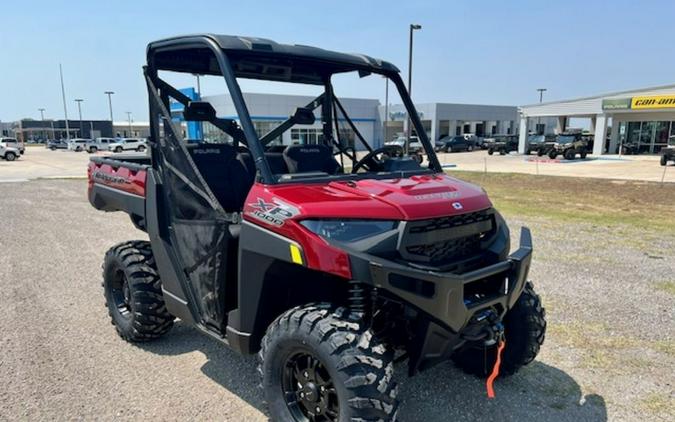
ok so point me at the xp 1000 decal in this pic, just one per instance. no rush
(275, 212)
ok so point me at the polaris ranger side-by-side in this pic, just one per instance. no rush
(326, 263)
(569, 145)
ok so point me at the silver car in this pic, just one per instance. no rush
(99, 144)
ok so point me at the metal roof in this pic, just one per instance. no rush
(266, 47)
(645, 91)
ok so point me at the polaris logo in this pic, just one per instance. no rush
(457, 206)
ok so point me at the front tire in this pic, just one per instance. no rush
(491, 151)
(140, 148)
(664, 160)
(118, 149)
(317, 364)
(552, 155)
(133, 292)
(10, 156)
(524, 331)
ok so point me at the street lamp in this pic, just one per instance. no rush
(79, 111)
(129, 119)
(109, 94)
(42, 113)
(413, 27)
(541, 98)
(199, 88)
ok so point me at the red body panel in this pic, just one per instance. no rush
(122, 178)
(414, 198)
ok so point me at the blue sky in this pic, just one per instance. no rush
(492, 52)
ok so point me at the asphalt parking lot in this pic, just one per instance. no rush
(609, 291)
(39, 162)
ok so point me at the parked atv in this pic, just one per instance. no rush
(541, 144)
(668, 153)
(503, 144)
(569, 145)
(327, 275)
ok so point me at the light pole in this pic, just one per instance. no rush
(42, 113)
(65, 109)
(79, 112)
(109, 94)
(541, 98)
(129, 119)
(413, 27)
(199, 88)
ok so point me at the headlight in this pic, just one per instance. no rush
(348, 230)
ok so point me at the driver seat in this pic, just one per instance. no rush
(311, 158)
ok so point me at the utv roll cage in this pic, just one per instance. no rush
(255, 58)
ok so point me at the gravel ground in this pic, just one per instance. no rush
(608, 355)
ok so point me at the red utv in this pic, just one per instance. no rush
(326, 262)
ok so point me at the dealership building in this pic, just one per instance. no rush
(374, 121)
(643, 118)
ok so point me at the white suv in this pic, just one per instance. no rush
(13, 143)
(78, 144)
(129, 144)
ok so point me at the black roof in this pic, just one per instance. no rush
(181, 53)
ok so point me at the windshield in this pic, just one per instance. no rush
(324, 134)
(566, 139)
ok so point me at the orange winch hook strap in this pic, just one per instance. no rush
(495, 370)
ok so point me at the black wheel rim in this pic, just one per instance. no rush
(121, 295)
(308, 389)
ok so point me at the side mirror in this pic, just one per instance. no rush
(303, 116)
(199, 111)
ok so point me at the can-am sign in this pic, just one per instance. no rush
(662, 101)
(639, 103)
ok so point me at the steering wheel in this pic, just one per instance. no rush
(373, 163)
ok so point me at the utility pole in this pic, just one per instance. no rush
(129, 119)
(413, 27)
(65, 108)
(79, 111)
(42, 113)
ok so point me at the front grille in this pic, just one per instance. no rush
(445, 240)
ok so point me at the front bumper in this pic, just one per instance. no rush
(448, 299)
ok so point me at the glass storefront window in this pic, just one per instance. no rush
(661, 136)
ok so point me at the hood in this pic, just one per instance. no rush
(412, 198)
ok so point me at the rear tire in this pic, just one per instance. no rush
(118, 149)
(491, 151)
(350, 373)
(524, 330)
(552, 155)
(93, 150)
(540, 153)
(133, 292)
(664, 160)
(140, 149)
(502, 152)
(583, 154)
